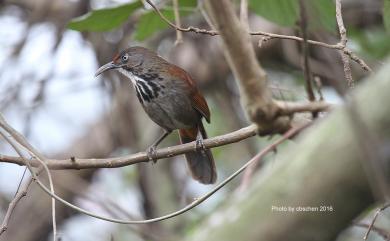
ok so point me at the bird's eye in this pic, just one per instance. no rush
(125, 57)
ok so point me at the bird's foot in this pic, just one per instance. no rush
(152, 154)
(199, 145)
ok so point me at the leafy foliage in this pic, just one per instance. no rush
(322, 13)
(104, 19)
(282, 12)
(150, 22)
(373, 43)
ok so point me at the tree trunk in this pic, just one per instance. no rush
(326, 169)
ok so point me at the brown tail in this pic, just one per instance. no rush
(201, 163)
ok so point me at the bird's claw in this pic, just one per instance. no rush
(152, 154)
(199, 145)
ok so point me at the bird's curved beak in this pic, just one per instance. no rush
(106, 67)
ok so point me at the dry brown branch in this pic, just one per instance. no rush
(252, 79)
(337, 46)
(18, 150)
(370, 227)
(343, 42)
(367, 140)
(289, 108)
(17, 136)
(179, 36)
(268, 36)
(75, 163)
(380, 231)
(11, 207)
(165, 217)
(250, 131)
(189, 29)
(285, 108)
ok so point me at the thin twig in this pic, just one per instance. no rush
(168, 216)
(21, 181)
(75, 163)
(20, 153)
(189, 29)
(268, 36)
(21, 140)
(343, 42)
(179, 35)
(370, 227)
(305, 52)
(318, 83)
(11, 207)
(110, 205)
(250, 170)
(337, 46)
(380, 231)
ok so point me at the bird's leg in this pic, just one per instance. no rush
(152, 149)
(199, 145)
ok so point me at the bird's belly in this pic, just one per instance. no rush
(172, 112)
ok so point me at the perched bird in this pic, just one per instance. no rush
(171, 99)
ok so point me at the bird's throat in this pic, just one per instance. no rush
(129, 75)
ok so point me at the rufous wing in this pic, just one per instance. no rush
(197, 99)
(200, 104)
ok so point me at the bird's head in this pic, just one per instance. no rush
(128, 60)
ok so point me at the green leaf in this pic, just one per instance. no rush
(322, 14)
(104, 19)
(372, 43)
(386, 15)
(282, 12)
(150, 22)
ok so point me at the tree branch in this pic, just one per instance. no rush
(380, 231)
(305, 52)
(16, 135)
(285, 108)
(75, 163)
(322, 169)
(343, 43)
(268, 36)
(290, 108)
(371, 225)
(252, 79)
(170, 215)
(12, 205)
(179, 36)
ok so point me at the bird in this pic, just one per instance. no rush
(171, 99)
